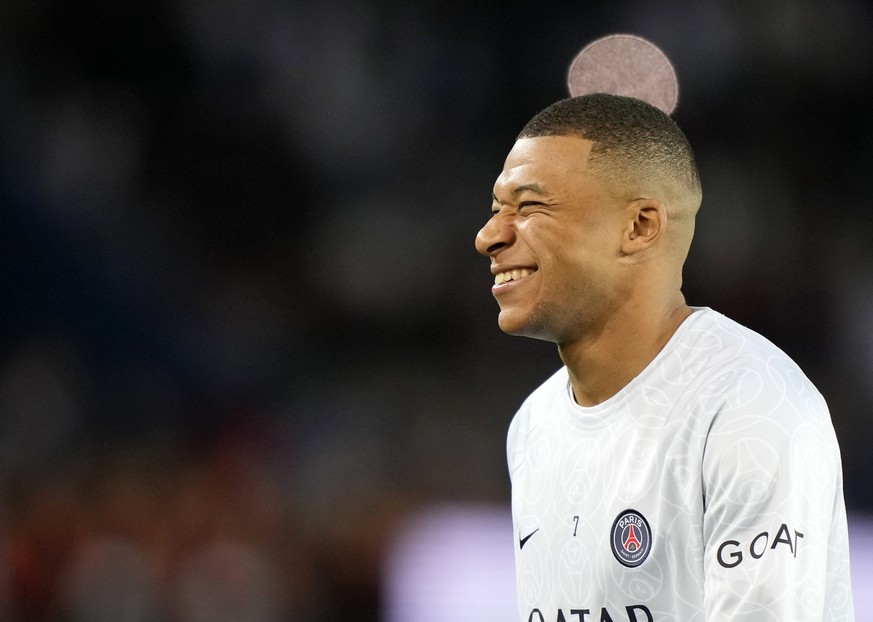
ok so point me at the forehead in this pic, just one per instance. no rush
(543, 159)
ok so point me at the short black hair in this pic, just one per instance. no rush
(633, 140)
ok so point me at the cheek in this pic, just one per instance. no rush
(579, 279)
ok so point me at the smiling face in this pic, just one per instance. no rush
(554, 239)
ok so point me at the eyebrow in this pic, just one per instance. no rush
(532, 187)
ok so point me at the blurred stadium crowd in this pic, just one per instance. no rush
(245, 331)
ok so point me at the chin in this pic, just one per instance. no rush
(510, 322)
(521, 326)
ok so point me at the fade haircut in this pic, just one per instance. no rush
(635, 143)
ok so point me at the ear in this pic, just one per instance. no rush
(647, 220)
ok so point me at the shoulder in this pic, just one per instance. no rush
(768, 421)
(749, 374)
(543, 399)
(740, 366)
(712, 331)
(533, 413)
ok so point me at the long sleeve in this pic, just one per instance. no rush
(775, 534)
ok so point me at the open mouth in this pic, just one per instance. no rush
(512, 275)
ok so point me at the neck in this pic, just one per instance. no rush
(603, 364)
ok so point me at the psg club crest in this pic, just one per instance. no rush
(631, 538)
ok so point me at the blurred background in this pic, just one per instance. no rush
(246, 340)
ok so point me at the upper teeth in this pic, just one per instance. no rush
(510, 275)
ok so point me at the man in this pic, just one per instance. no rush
(678, 466)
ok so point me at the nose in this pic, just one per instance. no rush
(497, 234)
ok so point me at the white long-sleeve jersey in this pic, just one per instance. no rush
(708, 489)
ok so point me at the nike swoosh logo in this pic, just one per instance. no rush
(523, 541)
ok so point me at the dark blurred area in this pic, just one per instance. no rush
(246, 331)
